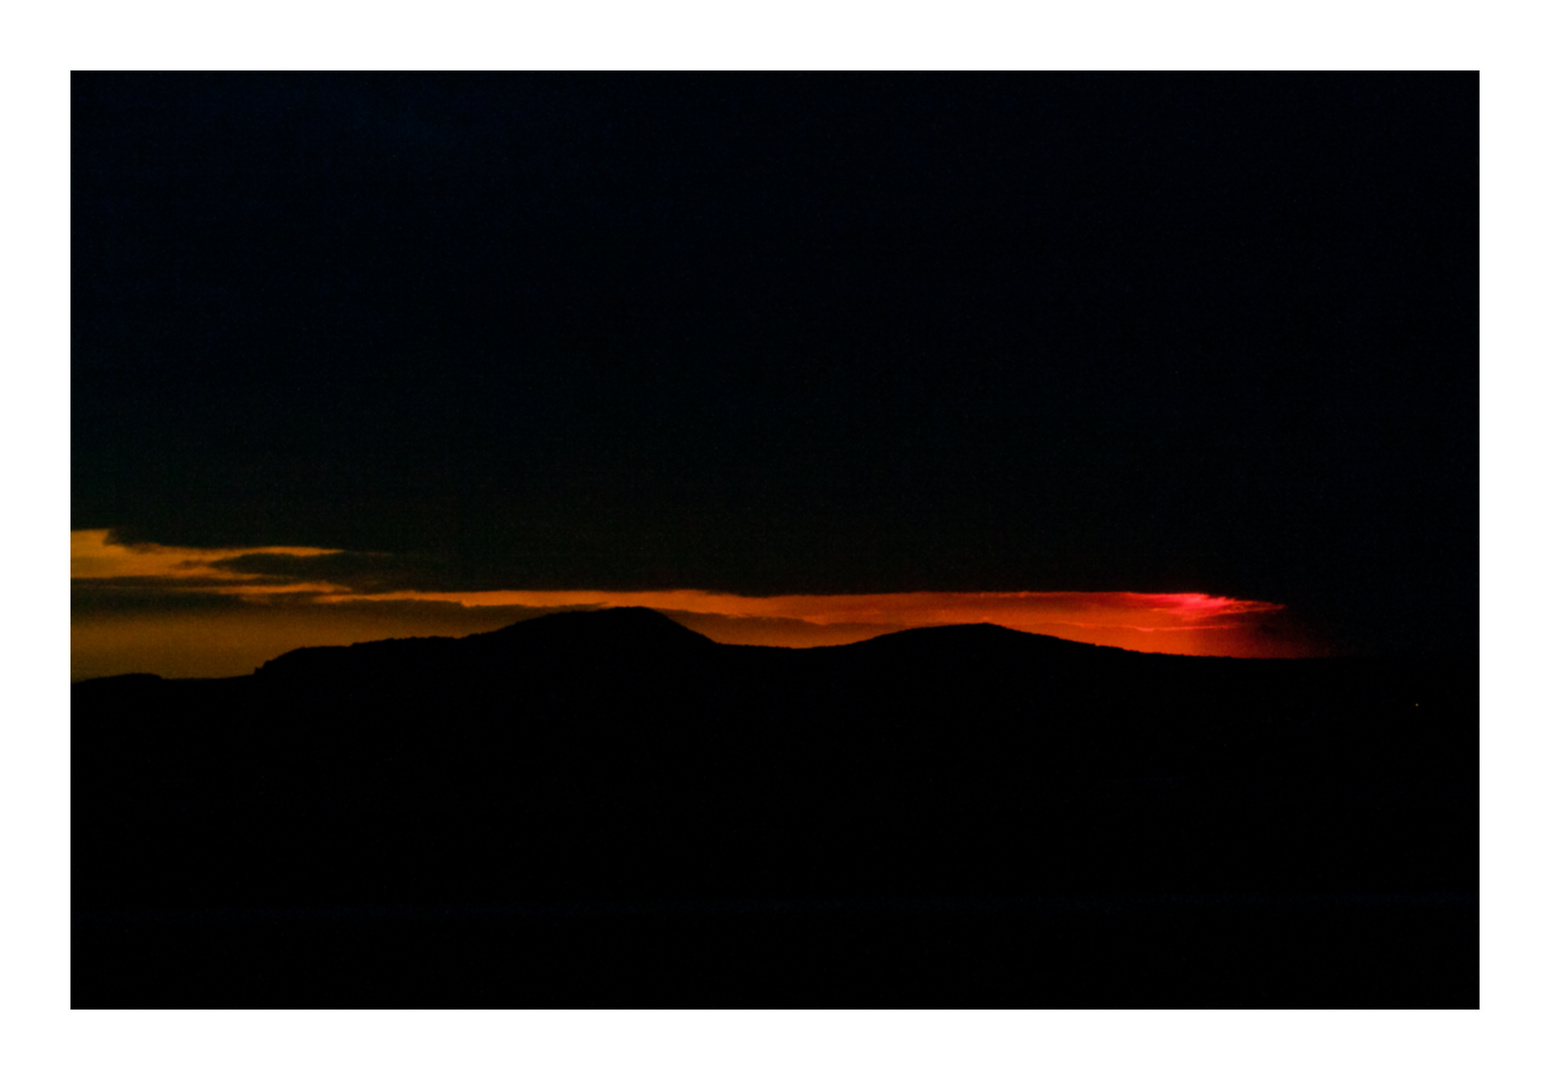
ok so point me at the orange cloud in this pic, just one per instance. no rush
(95, 556)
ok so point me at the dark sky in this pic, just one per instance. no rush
(796, 333)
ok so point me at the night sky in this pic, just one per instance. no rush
(784, 335)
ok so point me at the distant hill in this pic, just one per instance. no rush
(613, 634)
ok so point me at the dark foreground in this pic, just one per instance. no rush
(605, 809)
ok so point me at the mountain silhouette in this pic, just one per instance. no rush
(630, 635)
(614, 761)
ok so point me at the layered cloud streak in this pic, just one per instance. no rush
(185, 611)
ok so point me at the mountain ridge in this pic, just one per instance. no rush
(635, 626)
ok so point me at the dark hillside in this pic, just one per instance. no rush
(611, 774)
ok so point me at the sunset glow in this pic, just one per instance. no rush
(185, 611)
(1192, 623)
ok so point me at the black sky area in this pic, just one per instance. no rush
(796, 333)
